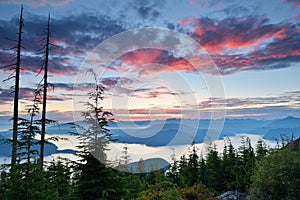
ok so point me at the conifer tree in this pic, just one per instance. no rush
(261, 149)
(214, 170)
(94, 179)
(246, 163)
(229, 166)
(24, 173)
(202, 171)
(193, 167)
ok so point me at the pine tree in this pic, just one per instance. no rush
(203, 171)
(183, 171)
(246, 163)
(261, 149)
(193, 167)
(229, 166)
(58, 175)
(94, 179)
(173, 172)
(214, 170)
(24, 173)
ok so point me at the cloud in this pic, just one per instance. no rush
(147, 61)
(251, 43)
(295, 3)
(148, 9)
(37, 3)
(74, 36)
(235, 44)
(271, 107)
(238, 11)
(205, 3)
(230, 33)
(146, 114)
(7, 95)
(27, 94)
(287, 100)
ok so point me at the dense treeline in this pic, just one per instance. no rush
(263, 174)
(260, 173)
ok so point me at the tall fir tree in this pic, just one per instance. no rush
(246, 163)
(229, 166)
(214, 170)
(94, 179)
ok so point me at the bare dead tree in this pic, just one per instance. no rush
(15, 68)
(45, 87)
(17, 88)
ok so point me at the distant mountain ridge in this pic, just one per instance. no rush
(162, 133)
(50, 148)
(148, 165)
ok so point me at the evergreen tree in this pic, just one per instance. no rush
(183, 171)
(214, 170)
(94, 179)
(203, 171)
(261, 149)
(158, 187)
(229, 166)
(193, 167)
(24, 177)
(58, 175)
(173, 172)
(246, 163)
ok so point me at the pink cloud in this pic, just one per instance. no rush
(230, 33)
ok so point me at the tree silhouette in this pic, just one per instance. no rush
(45, 87)
(15, 68)
(94, 179)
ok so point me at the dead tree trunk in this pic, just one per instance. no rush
(45, 86)
(16, 91)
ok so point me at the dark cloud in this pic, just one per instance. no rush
(272, 46)
(147, 9)
(295, 3)
(74, 36)
(292, 98)
(35, 3)
(7, 95)
(238, 11)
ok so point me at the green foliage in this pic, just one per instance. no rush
(277, 176)
(230, 166)
(94, 180)
(17, 182)
(196, 192)
(158, 187)
(58, 175)
(245, 164)
(214, 170)
(270, 174)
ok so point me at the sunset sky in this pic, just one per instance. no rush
(254, 47)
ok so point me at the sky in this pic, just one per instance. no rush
(179, 59)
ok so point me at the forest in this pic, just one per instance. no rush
(255, 171)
